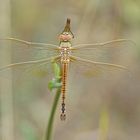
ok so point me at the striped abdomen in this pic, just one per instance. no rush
(63, 89)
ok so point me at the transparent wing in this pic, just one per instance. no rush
(94, 69)
(102, 59)
(107, 43)
(24, 50)
(29, 69)
(116, 51)
(27, 58)
(35, 45)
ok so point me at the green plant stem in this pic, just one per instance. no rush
(51, 118)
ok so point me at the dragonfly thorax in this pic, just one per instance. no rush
(65, 51)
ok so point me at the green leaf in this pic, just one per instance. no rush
(55, 83)
(57, 70)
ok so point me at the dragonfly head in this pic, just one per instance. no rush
(66, 35)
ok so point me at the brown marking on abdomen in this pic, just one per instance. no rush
(63, 89)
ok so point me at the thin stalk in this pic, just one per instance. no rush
(6, 95)
(51, 118)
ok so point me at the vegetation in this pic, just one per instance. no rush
(101, 104)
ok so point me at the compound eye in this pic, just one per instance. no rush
(65, 33)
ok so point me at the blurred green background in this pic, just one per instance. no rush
(97, 108)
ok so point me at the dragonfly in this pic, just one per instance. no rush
(66, 54)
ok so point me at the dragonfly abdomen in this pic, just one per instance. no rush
(63, 89)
